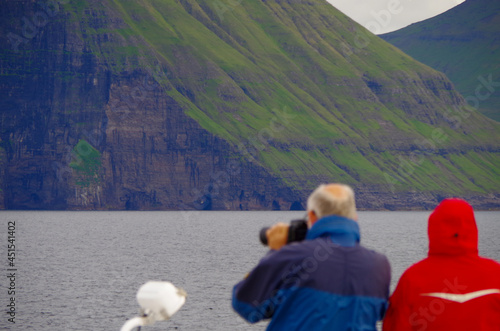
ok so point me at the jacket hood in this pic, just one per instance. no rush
(452, 229)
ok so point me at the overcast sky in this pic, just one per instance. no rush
(380, 16)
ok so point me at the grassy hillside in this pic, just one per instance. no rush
(463, 43)
(302, 90)
(173, 89)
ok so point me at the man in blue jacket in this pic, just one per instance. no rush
(326, 282)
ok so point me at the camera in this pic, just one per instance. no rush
(296, 232)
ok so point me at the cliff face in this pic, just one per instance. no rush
(49, 99)
(156, 157)
(62, 106)
(183, 105)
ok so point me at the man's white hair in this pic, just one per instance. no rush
(332, 199)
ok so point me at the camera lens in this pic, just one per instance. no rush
(262, 236)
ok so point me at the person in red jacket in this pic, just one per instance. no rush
(453, 288)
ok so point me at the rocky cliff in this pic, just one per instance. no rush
(214, 105)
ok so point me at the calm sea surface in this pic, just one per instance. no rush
(82, 270)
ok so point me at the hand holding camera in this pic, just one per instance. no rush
(281, 234)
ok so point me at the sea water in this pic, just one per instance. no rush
(82, 270)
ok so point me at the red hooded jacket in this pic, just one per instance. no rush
(453, 288)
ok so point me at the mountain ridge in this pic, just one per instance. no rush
(463, 44)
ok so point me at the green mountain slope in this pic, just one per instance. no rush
(295, 89)
(463, 43)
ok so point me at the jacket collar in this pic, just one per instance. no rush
(341, 230)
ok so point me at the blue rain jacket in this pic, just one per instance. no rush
(326, 282)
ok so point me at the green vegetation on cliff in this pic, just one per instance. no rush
(87, 164)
